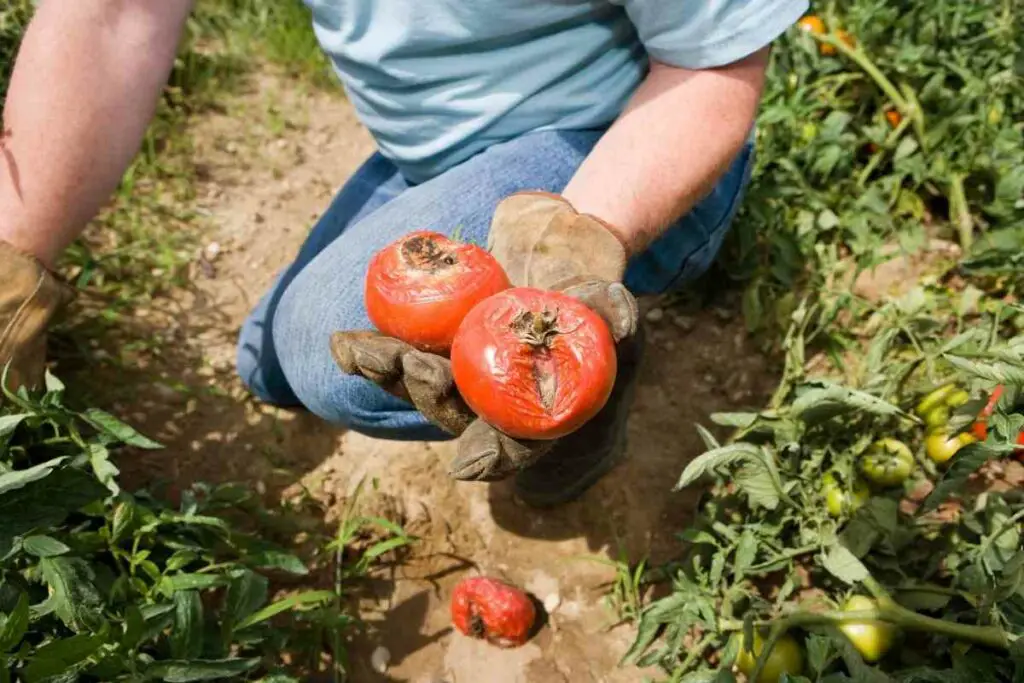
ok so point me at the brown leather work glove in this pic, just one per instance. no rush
(30, 297)
(542, 242)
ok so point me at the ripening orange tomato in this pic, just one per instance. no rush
(893, 117)
(420, 287)
(812, 24)
(535, 364)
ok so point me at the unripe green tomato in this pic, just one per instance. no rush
(941, 447)
(934, 399)
(786, 657)
(871, 638)
(888, 462)
(839, 501)
(936, 418)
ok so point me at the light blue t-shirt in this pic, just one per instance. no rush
(437, 81)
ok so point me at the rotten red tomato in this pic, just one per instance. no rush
(533, 363)
(493, 610)
(420, 287)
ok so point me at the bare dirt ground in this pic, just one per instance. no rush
(271, 162)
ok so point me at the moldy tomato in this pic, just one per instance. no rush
(535, 364)
(871, 638)
(785, 657)
(420, 287)
(888, 462)
(493, 610)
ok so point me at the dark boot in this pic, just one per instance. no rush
(579, 460)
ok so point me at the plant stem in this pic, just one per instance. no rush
(891, 613)
(961, 214)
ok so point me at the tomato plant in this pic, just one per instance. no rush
(871, 638)
(420, 287)
(888, 462)
(535, 364)
(493, 610)
(786, 657)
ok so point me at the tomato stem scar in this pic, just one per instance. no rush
(423, 253)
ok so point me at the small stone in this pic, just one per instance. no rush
(212, 251)
(552, 603)
(380, 659)
(258, 218)
(670, 346)
(655, 315)
(683, 322)
(724, 314)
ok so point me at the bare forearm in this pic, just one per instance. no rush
(675, 140)
(85, 85)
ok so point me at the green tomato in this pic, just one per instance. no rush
(934, 399)
(936, 418)
(786, 657)
(941, 447)
(888, 462)
(871, 638)
(839, 501)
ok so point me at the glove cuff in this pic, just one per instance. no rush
(30, 297)
(543, 241)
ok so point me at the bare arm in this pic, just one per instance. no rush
(673, 142)
(85, 86)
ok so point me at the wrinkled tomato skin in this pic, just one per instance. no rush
(420, 287)
(493, 610)
(526, 391)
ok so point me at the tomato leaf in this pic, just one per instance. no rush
(16, 479)
(822, 400)
(187, 636)
(182, 582)
(759, 484)
(43, 499)
(719, 457)
(246, 593)
(820, 652)
(76, 599)
(746, 552)
(16, 625)
(187, 671)
(106, 472)
(43, 546)
(291, 602)
(844, 565)
(60, 656)
(119, 431)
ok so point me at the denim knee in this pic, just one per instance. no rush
(302, 329)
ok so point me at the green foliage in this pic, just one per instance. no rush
(97, 584)
(841, 187)
(835, 181)
(944, 548)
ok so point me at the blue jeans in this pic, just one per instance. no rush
(283, 352)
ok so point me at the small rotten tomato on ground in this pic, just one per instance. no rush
(420, 287)
(493, 610)
(535, 364)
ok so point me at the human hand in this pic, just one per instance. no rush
(541, 242)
